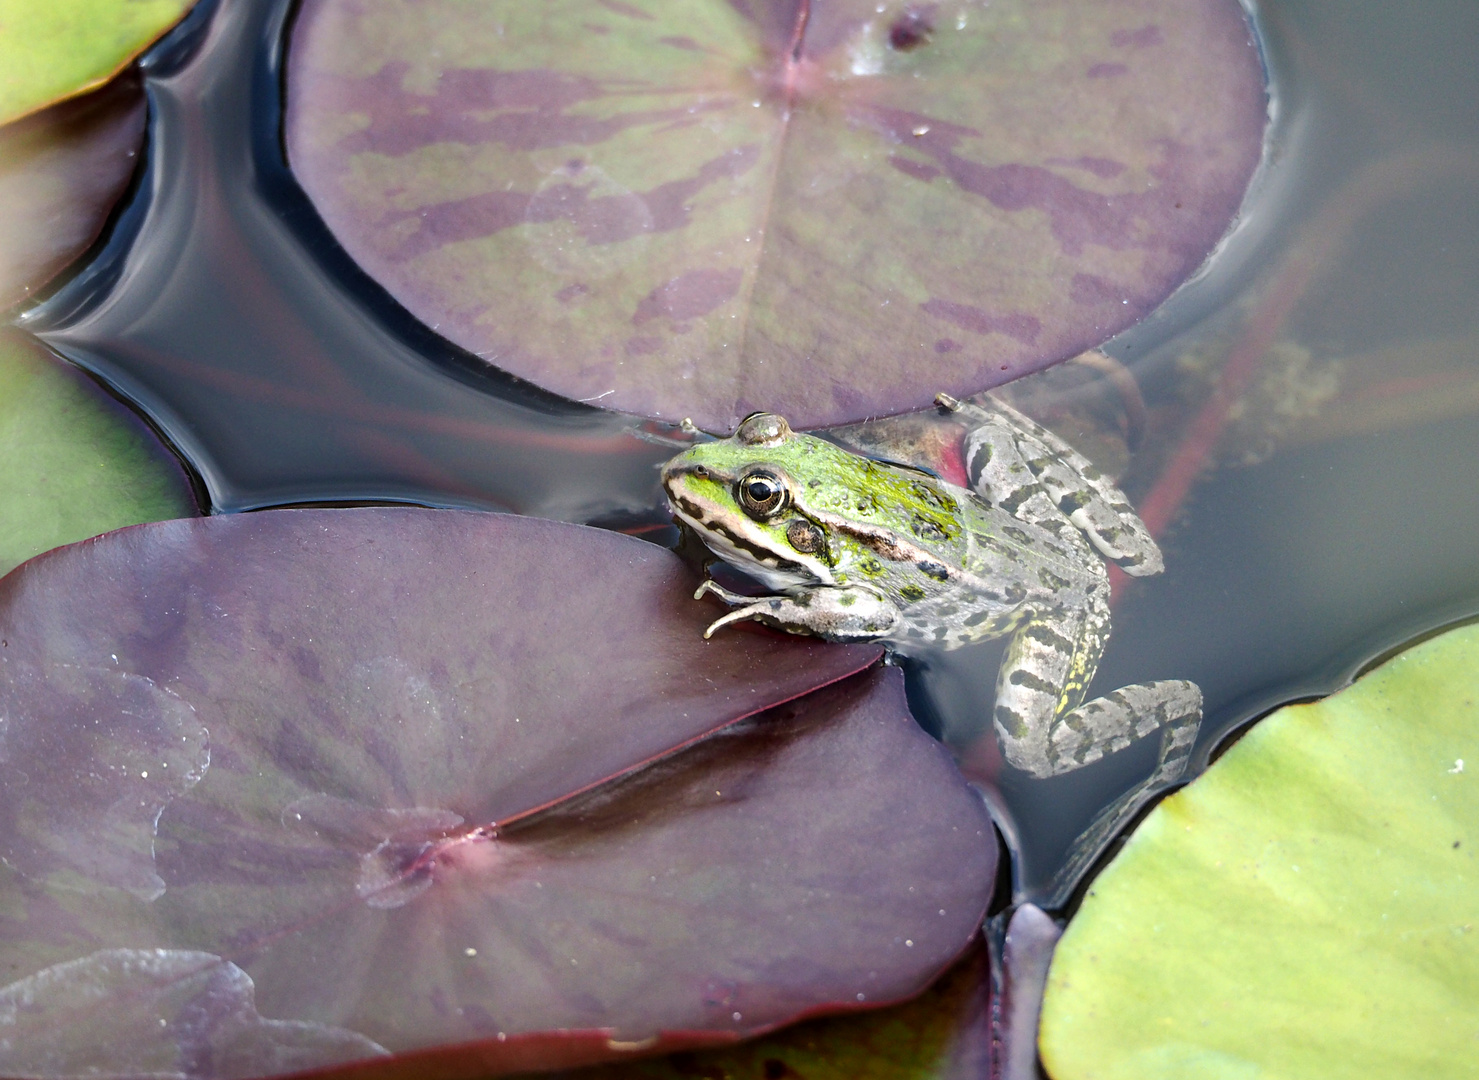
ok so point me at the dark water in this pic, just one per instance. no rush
(1340, 520)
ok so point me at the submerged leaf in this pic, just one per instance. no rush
(1304, 909)
(122, 748)
(61, 172)
(157, 1013)
(77, 463)
(479, 788)
(826, 208)
(54, 50)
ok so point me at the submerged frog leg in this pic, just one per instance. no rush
(1043, 728)
(1045, 731)
(836, 614)
(1007, 453)
(1180, 703)
(1043, 677)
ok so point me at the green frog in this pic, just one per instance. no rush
(857, 549)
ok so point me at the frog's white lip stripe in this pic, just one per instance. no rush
(738, 543)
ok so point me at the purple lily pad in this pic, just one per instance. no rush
(827, 208)
(61, 172)
(478, 792)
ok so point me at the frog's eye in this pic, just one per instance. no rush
(763, 429)
(762, 494)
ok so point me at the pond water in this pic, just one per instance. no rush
(1333, 518)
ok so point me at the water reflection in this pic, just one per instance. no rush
(223, 308)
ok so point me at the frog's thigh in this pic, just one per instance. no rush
(1043, 677)
(999, 473)
(1068, 481)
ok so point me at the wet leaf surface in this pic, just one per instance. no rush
(477, 788)
(944, 1034)
(61, 172)
(62, 48)
(158, 1013)
(77, 463)
(121, 747)
(829, 209)
(1306, 908)
(1027, 951)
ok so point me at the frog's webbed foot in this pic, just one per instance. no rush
(834, 614)
(1017, 464)
(1110, 723)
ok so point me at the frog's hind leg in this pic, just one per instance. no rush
(1045, 731)
(1174, 706)
(997, 469)
(1019, 465)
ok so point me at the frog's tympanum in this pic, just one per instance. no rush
(864, 550)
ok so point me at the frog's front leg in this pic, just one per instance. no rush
(836, 614)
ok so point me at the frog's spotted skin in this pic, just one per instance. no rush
(857, 549)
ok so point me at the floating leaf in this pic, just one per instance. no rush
(61, 172)
(1305, 909)
(55, 50)
(479, 788)
(944, 1034)
(77, 463)
(827, 208)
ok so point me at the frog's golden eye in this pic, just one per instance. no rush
(761, 493)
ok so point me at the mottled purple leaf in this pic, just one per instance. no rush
(479, 789)
(61, 171)
(828, 208)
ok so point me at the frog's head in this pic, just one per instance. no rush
(746, 497)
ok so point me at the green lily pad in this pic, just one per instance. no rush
(61, 48)
(1309, 908)
(61, 172)
(77, 463)
(826, 208)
